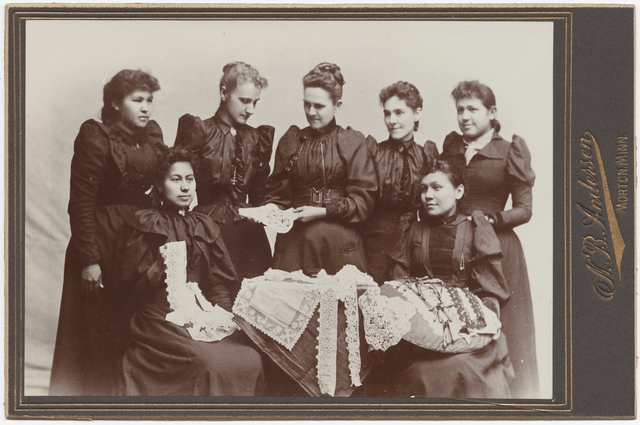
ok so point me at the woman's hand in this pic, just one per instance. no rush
(159, 267)
(308, 213)
(91, 281)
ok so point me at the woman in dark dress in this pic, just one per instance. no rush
(326, 174)
(462, 251)
(111, 175)
(170, 354)
(496, 169)
(234, 166)
(400, 163)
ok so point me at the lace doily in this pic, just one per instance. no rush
(190, 309)
(386, 320)
(271, 216)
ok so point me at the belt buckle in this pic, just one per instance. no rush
(316, 196)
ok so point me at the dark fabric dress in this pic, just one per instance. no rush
(162, 358)
(463, 253)
(111, 171)
(399, 167)
(330, 167)
(498, 170)
(232, 174)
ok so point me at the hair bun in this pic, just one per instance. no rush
(333, 69)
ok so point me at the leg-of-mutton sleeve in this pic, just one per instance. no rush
(279, 185)
(90, 156)
(362, 182)
(258, 190)
(521, 180)
(487, 279)
(191, 134)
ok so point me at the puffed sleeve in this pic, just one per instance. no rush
(521, 179)
(90, 156)
(191, 133)
(137, 252)
(400, 253)
(362, 181)
(258, 189)
(372, 146)
(278, 187)
(431, 155)
(488, 281)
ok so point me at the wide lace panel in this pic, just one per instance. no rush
(190, 309)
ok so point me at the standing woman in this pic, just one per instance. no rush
(111, 176)
(326, 174)
(399, 162)
(496, 169)
(234, 166)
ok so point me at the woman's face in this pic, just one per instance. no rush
(135, 109)
(400, 118)
(474, 118)
(439, 196)
(318, 107)
(179, 186)
(241, 103)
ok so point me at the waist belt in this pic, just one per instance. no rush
(317, 197)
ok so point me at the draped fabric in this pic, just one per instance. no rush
(111, 171)
(499, 170)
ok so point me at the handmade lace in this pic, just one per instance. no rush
(386, 320)
(281, 221)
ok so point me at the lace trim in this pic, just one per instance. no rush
(327, 342)
(190, 309)
(386, 320)
(271, 216)
(350, 299)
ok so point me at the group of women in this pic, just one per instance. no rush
(392, 209)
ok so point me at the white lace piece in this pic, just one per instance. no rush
(190, 309)
(327, 341)
(350, 298)
(280, 310)
(271, 216)
(386, 320)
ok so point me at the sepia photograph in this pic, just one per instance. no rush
(242, 209)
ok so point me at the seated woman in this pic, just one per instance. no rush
(461, 251)
(163, 358)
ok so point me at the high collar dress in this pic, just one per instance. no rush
(233, 171)
(499, 170)
(330, 168)
(399, 167)
(162, 358)
(463, 253)
(112, 171)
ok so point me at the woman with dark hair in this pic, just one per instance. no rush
(462, 251)
(234, 166)
(183, 339)
(326, 175)
(111, 176)
(497, 169)
(399, 162)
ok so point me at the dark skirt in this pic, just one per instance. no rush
(379, 236)
(517, 318)
(92, 335)
(163, 359)
(412, 371)
(319, 244)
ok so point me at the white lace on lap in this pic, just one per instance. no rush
(190, 309)
(271, 216)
